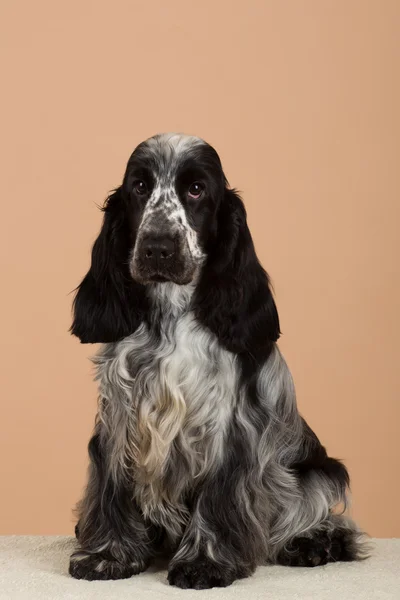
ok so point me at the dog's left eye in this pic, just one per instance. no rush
(196, 190)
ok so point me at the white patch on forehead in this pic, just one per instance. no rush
(170, 144)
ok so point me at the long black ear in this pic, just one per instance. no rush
(109, 304)
(233, 297)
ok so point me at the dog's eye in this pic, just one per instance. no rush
(196, 190)
(140, 187)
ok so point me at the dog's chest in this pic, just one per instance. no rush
(171, 396)
(183, 391)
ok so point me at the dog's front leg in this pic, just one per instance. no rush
(114, 542)
(225, 539)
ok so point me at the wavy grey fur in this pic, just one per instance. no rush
(192, 456)
(165, 412)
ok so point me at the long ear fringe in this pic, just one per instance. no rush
(109, 305)
(233, 297)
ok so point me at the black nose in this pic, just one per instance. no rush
(157, 251)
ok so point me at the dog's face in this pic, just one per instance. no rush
(173, 184)
(174, 218)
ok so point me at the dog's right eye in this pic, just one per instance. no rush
(140, 187)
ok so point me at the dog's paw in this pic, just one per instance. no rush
(317, 549)
(200, 574)
(91, 567)
(304, 552)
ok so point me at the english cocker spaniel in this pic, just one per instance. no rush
(199, 450)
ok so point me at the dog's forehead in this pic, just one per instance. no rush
(171, 145)
(164, 153)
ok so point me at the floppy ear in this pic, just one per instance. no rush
(233, 297)
(109, 304)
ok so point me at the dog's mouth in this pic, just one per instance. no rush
(144, 276)
(157, 278)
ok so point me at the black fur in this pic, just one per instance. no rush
(233, 298)
(318, 549)
(109, 304)
(108, 511)
(236, 505)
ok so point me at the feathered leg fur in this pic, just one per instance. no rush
(226, 536)
(114, 542)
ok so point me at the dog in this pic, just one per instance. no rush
(199, 452)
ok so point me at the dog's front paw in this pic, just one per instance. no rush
(200, 574)
(84, 565)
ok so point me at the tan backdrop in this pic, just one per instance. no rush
(302, 100)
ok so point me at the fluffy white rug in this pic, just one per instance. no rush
(36, 568)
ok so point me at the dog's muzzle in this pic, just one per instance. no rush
(157, 256)
(161, 257)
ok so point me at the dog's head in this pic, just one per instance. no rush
(172, 187)
(174, 219)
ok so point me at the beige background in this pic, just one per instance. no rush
(301, 99)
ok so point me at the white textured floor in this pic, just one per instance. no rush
(36, 568)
